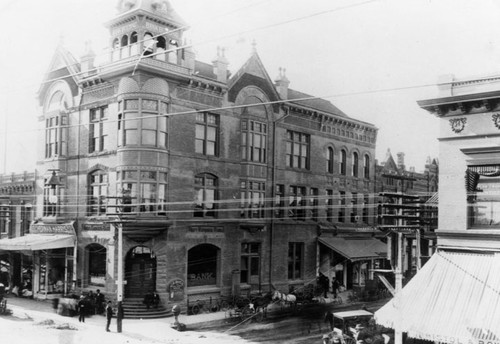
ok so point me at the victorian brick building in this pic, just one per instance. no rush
(219, 183)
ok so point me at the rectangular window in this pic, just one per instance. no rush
(342, 204)
(366, 203)
(295, 260)
(313, 203)
(98, 188)
(146, 191)
(253, 141)
(207, 134)
(279, 201)
(354, 210)
(205, 195)
(297, 202)
(131, 128)
(329, 205)
(250, 263)
(56, 132)
(297, 150)
(97, 135)
(483, 196)
(252, 199)
(4, 218)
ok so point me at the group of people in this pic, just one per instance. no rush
(90, 304)
(151, 300)
(324, 282)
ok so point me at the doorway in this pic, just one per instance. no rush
(140, 272)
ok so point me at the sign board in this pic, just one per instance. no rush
(176, 290)
(42, 228)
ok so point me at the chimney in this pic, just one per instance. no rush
(401, 161)
(87, 60)
(220, 64)
(282, 83)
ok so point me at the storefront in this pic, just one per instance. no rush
(51, 250)
(350, 259)
(454, 298)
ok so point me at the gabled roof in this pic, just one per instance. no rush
(62, 66)
(315, 103)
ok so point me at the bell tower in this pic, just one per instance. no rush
(149, 29)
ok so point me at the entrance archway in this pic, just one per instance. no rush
(140, 272)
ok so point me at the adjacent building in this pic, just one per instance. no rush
(417, 192)
(192, 181)
(454, 298)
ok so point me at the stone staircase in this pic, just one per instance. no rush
(133, 308)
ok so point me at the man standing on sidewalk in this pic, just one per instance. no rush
(109, 315)
(81, 309)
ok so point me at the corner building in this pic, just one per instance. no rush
(220, 184)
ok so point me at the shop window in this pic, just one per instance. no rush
(297, 149)
(483, 191)
(295, 260)
(202, 265)
(205, 192)
(96, 265)
(207, 134)
(250, 263)
(252, 197)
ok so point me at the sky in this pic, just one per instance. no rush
(373, 59)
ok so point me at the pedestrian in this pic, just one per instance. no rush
(81, 309)
(109, 315)
(335, 287)
(329, 319)
(99, 302)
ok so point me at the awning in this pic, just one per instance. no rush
(356, 248)
(33, 242)
(454, 298)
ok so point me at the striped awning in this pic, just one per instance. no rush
(454, 298)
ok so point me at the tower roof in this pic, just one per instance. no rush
(161, 9)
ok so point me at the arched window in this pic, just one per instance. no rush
(148, 44)
(98, 190)
(355, 164)
(161, 47)
(366, 168)
(202, 265)
(57, 102)
(116, 43)
(343, 162)
(133, 38)
(329, 160)
(205, 192)
(124, 41)
(96, 264)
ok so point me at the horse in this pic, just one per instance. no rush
(284, 298)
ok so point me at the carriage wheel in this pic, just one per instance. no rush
(246, 312)
(259, 316)
(195, 309)
(214, 308)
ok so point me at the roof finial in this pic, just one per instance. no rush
(254, 46)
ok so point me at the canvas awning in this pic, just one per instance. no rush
(33, 242)
(454, 298)
(355, 248)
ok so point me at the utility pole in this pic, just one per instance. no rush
(395, 209)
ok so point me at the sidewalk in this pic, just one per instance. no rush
(45, 306)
